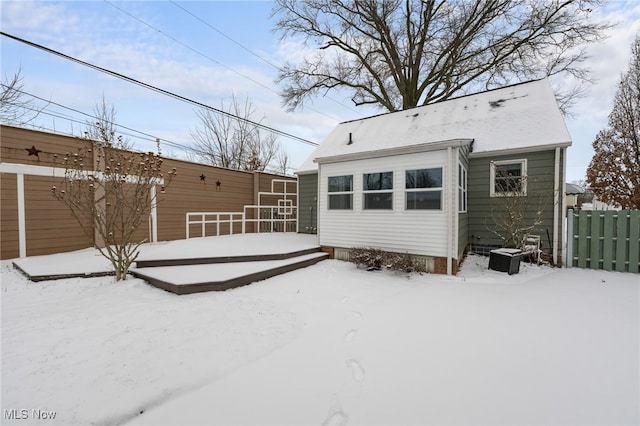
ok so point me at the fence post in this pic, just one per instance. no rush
(569, 239)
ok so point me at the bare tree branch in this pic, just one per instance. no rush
(225, 141)
(16, 107)
(105, 129)
(108, 192)
(399, 54)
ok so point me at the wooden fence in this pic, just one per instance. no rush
(33, 222)
(608, 240)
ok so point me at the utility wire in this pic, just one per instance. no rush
(159, 90)
(242, 46)
(187, 46)
(224, 35)
(205, 55)
(147, 136)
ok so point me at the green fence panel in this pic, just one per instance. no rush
(634, 241)
(583, 231)
(596, 228)
(607, 240)
(622, 242)
(608, 233)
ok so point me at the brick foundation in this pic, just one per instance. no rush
(329, 250)
(440, 266)
(434, 265)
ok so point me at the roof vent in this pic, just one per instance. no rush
(350, 140)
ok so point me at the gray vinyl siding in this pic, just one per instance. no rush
(481, 206)
(308, 203)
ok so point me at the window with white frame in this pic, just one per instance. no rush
(423, 189)
(462, 188)
(508, 178)
(377, 189)
(340, 192)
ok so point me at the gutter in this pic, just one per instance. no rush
(385, 152)
(563, 194)
(516, 151)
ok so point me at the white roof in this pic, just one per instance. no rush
(523, 116)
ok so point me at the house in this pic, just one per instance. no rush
(584, 199)
(432, 181)
(575, 196)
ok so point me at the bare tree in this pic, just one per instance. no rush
(109, 192)
(517, 211)
(398, 54)
(16, 107)
(614, 171)
(232, 140)
(105, 126)
(283, 162)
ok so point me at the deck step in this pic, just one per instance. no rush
(217, 276)
(153, 263)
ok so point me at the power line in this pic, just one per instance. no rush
(237, 43)
(148, 137)
(187, 46)
(143, 22)
(159, 90)
(205, 55)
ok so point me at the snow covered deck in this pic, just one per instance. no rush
(191, 266)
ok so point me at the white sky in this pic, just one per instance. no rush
(193, 59)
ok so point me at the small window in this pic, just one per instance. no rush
(341, 192)
(377, 191)
(508, 178)
(462, 189)
(424, 189)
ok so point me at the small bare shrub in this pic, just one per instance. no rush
(404, 262)
(367, 257)
(375, 259)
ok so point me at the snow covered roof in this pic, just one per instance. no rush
(519, 117)
(570, 188)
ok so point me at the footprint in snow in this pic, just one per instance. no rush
(351, 334)
(357, 371)
(338, 418)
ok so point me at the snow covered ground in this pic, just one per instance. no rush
(330, 344)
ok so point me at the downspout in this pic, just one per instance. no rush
(318, 208)
(564, 207)
(556, 203)
(449, 214)
(456, 203)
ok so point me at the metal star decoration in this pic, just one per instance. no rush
(202, 177)
(33, 151)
